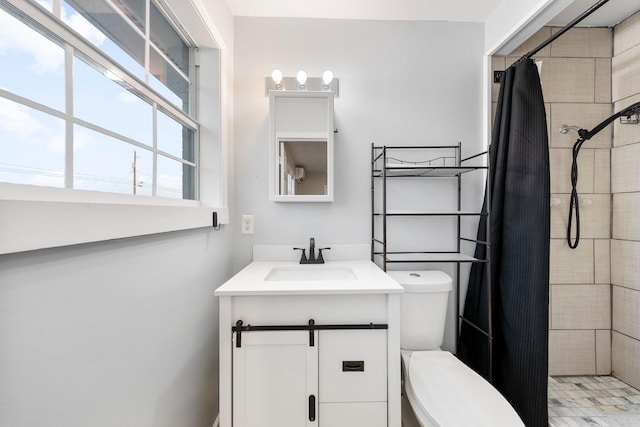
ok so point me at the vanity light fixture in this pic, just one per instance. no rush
(327, 78)
(301, 77)
(276, 76)
(301, 82)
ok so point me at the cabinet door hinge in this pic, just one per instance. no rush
(238, 330)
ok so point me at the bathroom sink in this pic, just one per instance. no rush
(309, 272)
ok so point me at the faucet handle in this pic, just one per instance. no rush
(320, 258)
(303, 258)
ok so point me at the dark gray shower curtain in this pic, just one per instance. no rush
(519, 236)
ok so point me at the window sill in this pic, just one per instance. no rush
(34, 218)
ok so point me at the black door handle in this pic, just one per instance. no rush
(312, 408)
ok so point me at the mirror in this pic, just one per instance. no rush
(302, 167)
(301, 146)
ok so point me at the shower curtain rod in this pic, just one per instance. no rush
(565, 28)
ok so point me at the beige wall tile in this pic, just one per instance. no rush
(583, 42)
(560, 165)
(602, 257)
(581, 307)
(625, 263)
(595, 211)
(626, 34)
(571, 266)
(547, 113)
(494, 107)
(625, 134)
(497, 63)
(568, 79)
(626, 311)
(625, 74)
(603, 80)
(626, 220)
(572, 352)
(541, 35)
(602, 171)
(625, 271)
(625, 353)
(603, 352)
(625, 168)
(559, 215)
(585, 116)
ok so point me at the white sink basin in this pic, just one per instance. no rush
(296, 273)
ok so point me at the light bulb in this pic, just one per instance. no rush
(276, 76)
(327, 78)
(301, 77)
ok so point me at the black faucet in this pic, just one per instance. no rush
(312, 253)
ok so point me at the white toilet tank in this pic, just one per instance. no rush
(423, 308)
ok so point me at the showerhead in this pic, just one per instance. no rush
(631, 115)
(631, 110)
(564, 129)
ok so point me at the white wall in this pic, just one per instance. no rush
(513, 22)
(400, 83)
(122, 332)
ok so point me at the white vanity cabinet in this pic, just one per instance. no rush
(280, 380)
(342, 371)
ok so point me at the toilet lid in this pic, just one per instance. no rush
(452, 394)
(423, 281)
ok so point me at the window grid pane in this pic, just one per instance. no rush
(28, 55)
(102, 101)
(171, 133)
(167, 81)
(108, 31)
(101, 162)
(32, 146)
(175, 179)
(134, 10)
(168, 40)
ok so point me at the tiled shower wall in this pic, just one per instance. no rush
(625, 186)
(576, 81)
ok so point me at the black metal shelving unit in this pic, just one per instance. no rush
(444, 161)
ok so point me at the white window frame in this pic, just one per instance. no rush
(33, 217)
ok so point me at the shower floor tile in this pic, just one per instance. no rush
(592, 401)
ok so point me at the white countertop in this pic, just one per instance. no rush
(369, 279)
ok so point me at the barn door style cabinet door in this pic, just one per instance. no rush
(327, 378)
(275, 380)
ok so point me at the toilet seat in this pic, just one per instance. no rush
(445, 392)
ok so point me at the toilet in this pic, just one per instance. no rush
(438, 389)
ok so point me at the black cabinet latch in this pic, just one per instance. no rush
(353, 366)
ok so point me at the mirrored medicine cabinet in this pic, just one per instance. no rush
(301, 146)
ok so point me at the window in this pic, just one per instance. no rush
(97, 95)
